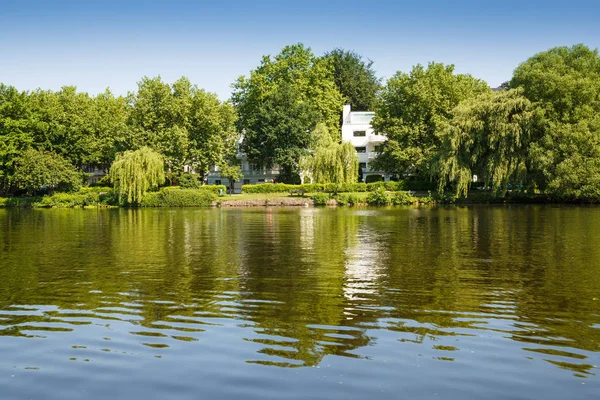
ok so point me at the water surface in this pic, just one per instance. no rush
(484, 302)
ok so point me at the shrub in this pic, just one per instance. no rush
(378, 198)
(320, 199)
(347, 199)
(373, 178)
(403, 198)
(179, 198)
(190, 181)
(214, 189)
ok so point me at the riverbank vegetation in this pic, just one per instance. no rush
(535, 137)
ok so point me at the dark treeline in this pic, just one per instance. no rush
(538, 133)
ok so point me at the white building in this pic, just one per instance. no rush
(252, 176)
(357, 129)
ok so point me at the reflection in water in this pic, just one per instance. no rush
(511, 291)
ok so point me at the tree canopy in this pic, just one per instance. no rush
(563, 83)
(488, 136)
(330, 161)
(355, 79)
(36, 170)
(413, 111)
(136, 172)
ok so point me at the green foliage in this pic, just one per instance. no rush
(378, 198)
(489, 136)
(330, 161)
(347, 199)
(214, 188)
(373, 178)
(179, 198)
(413, 111)
(280, 104)
(403, 199)
(136, 172)
(563, 83)
(36, 170)
(187, 125)
(321, 199)
(233, 173)
(190, 181)
(354, 78)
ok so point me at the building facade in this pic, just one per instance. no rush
(357, 129)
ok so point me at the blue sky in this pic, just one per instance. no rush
(99, 44)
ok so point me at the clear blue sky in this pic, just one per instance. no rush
(99, 44)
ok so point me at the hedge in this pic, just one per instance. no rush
(392, 186)
(168, 197)
(87, 197)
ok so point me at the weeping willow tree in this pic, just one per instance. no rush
(330, 161)
(136, 172)
(488, 136)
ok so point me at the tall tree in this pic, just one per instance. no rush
(134, 173)
(413, 111)
(355, 79)
(330, 161)
(187, 125)
(279, 132)
(564, 84)
(489, 136)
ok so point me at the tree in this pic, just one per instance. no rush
(331, 162)
(412, 113)
(489, 136)
(281, 102)
(279, 132)
(136, 172)
(36, 170)
(187, 125)
(563, 83)
(233, 173)
(15, 125)
(355, 79)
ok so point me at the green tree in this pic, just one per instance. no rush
(15, 125)
(36, 170)
(330, 161)
(279, 133)
(412, 113)
(134, 173)
(564, 84)
(187, 125)
(355, 79)
(233, 173)
(489, 136)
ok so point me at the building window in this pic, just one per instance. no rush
(360, 133)
(217, 181)
(361, 149)
(261, 181)
(246, 181)
(378, 148)
(362, 165)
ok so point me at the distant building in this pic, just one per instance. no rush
(357, 129)
(251, 174)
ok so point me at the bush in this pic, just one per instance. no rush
(373, 178)
(190, 181)
(179, 198)
(403, 199)
(320, 199)
(378, 198)
(214, 189)
(419, 185)
(347, 199)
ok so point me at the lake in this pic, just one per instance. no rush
(486, 302)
